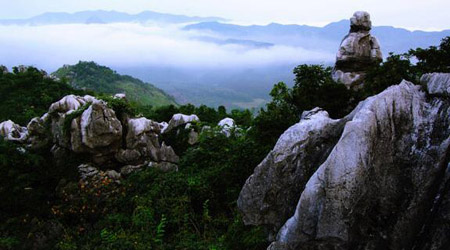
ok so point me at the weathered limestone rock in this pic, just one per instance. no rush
(270, 194)
(358, 51)
(437, 83)
(227, 125)
(164, 166)
(100, 127)
(142, 142)
(193, 137)
(38, 136)
(13, 132)
(87, 171)
(120, 96)
(88, 128)
(180, 119)
(70, 103)
(381, 182)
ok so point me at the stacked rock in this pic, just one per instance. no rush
(358, 51)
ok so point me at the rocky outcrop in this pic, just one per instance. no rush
(358, 51)
(13, 132)
(87, 127)
(376, 179)
(227, 125)
(100, 127)
(178, 120)
(437, 83)
(269, 196)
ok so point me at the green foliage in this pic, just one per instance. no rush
(193, 208)
(28, 93)
(314, 87)
(391, 72)
(101, 79)
(433, 59)
(75, 114)
(120, 106)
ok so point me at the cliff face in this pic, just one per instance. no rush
(376, 179)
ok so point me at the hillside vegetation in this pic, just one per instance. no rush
(45, 206)
(101, 79)
(28, 92)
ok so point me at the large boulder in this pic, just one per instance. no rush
(270, 194)
(227, 125)
(358, 51)
(100, 127)
(178, 120)
(13, 132)
(38, 134)
(377, 179)
(437, 83)
(142, 143)
(70, 103)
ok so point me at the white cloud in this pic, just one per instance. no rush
(429, 14)
(50, 47)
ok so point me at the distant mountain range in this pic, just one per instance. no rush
(231, 84)
(327, 38)
(101, 16)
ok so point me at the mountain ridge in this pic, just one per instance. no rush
(92, 76)
(105, 17)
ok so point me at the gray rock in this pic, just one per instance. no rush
(164, 166)
(120, 96)
(87, 171)
(193, 137)
(270, 194)
(69, 103)
(357, 52)
(13, 132)
(178, 120)
(383, 184)
(129, 169)
(128, 156)
(227, 125)
(360, 21)
(112, 174)
(100, 127)
(38, 135)
(437, 83)
(166, 154)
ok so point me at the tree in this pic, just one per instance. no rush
(433, 59)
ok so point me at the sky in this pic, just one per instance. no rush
(411, 14)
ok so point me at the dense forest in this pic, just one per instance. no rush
(44, 206)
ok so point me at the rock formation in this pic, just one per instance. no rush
(227, 125)
(358, 51)
(13, 132)
(87, 127)
(376, 179)
(178, 120)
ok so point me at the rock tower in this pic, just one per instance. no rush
(357, 52)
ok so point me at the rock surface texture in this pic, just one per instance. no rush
(376, 179)
(87, 128)
(358, 51)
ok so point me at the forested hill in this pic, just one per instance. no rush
(91, 76)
